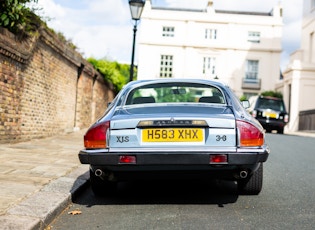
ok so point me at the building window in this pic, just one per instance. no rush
(253, 37)
(311, 48)
(209, 66)
(168, 31)
(211, 34)
(166, 66)
(251, 74)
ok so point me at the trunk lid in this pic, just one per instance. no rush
(172, 126)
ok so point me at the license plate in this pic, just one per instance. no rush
(173, 135)
(271, 115)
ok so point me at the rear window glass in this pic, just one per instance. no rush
(175, 93)
(268, 103)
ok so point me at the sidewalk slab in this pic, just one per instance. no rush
(38, 180)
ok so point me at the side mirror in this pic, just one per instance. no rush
(245, 104)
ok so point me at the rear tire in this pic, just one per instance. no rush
(253, 184)
(280, 130)
(101, 186)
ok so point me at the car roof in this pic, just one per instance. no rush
(270, 97)
(181, 80)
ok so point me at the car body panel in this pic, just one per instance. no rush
(183, 130)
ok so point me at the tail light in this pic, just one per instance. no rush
(95, 138)
(127, 159)
(218, 159)
(254, 113)
(286, 118)
(250, 135)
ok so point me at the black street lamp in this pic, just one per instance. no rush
(136, 7)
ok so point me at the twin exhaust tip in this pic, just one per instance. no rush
(243, 174)
(98, 172)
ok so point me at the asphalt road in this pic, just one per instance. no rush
(286, 202)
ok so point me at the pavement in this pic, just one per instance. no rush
(39, 178)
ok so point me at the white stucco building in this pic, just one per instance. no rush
(298, 84)
(240, 48)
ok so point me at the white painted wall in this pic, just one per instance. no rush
(231, 48)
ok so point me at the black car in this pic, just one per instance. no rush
(270, 112)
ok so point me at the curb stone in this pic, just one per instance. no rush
(41, 208)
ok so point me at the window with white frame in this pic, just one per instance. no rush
(168, 31)
(251, 74)
(253, 36)
(210, 34)
(209, 64)
(166, 66)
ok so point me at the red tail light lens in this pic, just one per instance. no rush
(127, 159)
(250, 135)
(218, 159)
(95, 138)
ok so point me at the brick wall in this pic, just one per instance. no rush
(46, 88)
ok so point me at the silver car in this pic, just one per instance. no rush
(175, 128)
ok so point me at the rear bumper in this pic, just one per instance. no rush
(272, 123)
(104, 157)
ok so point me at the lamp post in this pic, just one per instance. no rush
(136, 7)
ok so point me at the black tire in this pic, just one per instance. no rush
(280, 130)
(101, 187)
(252, 185)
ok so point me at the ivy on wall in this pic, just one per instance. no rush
(18, 18)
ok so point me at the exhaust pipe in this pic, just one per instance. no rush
(243, 174)
(98, 172)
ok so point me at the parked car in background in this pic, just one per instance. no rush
(270, 112)
(175, 128)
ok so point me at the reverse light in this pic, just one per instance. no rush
(218, 159)
(250, 135)
(254, 113)
(95, 137)
(286, 118)
(126, 159)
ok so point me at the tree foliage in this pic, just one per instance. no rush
(243, 98)
(114, 72)
(17, 17)
(272, 94)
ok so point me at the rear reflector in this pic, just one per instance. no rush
(95, 137)
(127, 159)
(250, 135)
(218, 159)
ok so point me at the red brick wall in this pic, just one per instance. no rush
(44, 89)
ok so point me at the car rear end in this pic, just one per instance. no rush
(174, 140)
(271, 113)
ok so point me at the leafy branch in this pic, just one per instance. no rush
(114, 72)
(17, 17)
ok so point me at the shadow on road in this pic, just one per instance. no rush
(165, 192)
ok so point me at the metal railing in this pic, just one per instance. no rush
(307, 120)
(248, 83)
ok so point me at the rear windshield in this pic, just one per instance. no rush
(175, 93)
(269, 103)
